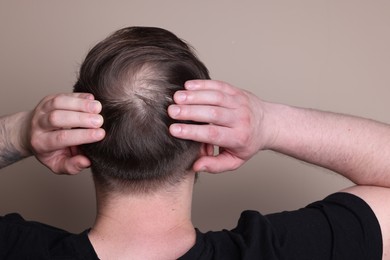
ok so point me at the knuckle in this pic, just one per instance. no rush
(45, 103)
(245, 117)
(46, 99)
(213, 113)
(61, 136)
(219, 98)
(54, 117)
(56, 100)
(241, 98)
(236, 92)
(242, 139)
(213, 134)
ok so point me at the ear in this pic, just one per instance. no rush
(206, 150)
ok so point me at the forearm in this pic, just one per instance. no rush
(13, 138)
(241, 124)
(356, 148)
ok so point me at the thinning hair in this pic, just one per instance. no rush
(134, 74)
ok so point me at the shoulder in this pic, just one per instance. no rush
(20, 239)
(327, 229)
(251, 239)
(341, 226)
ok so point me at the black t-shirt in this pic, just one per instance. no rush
(342, 226)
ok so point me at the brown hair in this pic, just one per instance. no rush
(134, 74)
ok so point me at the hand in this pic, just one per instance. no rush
(59, 124)
(235, 122)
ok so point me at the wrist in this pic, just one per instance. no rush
(13, 138)
(21, 136)
(273, 116)
(26, 135)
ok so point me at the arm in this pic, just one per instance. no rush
(12, 139)
(241, 125)
(52, 132)
(356, 148)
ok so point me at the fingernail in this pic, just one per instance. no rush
(97, 120)
(174, 110)
(180, 96)
(95, 106)
(99, 134)
(175, 129)
(190, 85)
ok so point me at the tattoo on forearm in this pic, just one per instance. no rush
(8, 152)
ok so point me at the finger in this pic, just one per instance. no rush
(83, 95)
(76, 164)
(69, 119)
(73, 102)
(72, 165)
(206, 114)
(80, 95)
(217, 164)
(210, 85)
(211, 134)
(207, 97)
(56, 140)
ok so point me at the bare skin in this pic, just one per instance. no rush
(241, 125)
(145, 226)
(52, 132)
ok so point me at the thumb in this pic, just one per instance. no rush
(75, 164)
(217, 164)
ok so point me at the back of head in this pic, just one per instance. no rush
(134, 74)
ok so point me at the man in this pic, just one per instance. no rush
(149, 217)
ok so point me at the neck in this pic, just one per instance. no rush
(146, 226)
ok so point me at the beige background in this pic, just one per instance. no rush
(331, 55)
